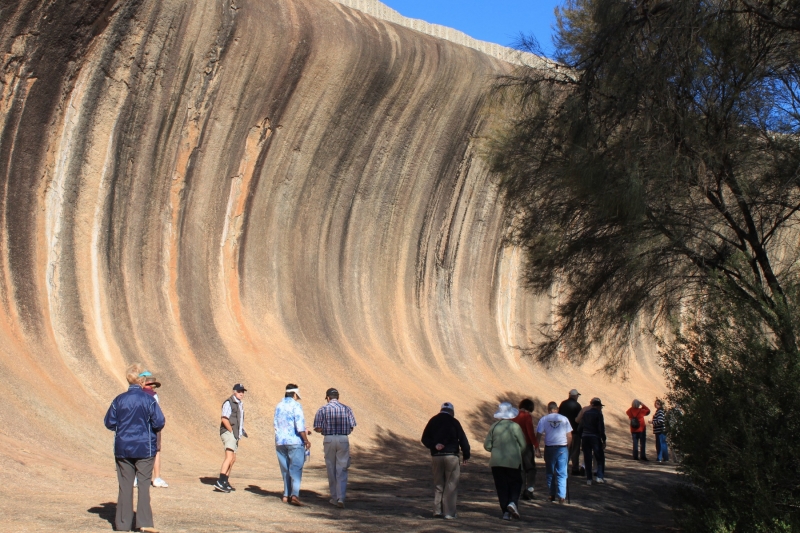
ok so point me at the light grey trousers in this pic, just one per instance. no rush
(446, 471)
(337, 459)
(127, 471)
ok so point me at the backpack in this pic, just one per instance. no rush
(635, 422)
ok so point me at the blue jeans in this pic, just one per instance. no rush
(593, 445)
(291, 459)
(662, 451)
(641, 438)
(555, 462)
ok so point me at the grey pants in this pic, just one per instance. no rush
(446, 471)
(337, 459)
(127, 471)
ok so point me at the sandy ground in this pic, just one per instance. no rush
(390, 489)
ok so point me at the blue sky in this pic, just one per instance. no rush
(496, 21)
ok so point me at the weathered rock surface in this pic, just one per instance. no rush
(265, 191)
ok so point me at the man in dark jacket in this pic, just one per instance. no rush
(443, 436)
(570, 408)
(594, 440)
(135, 417)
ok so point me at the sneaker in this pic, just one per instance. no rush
(582, 471)
(227, 484)
(600, 480)
(527, 494)
(588, 481)
(438, 515)
(553, 499)
(506, 516)
(645, 459)
(512, 508)
(221, 487)
(562, 501)
(340, 505)
(332, 501)
(158, 482)
(448, 517)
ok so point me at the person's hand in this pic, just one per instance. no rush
(464, 462)
(439, 447)
(538, 453)
(308, 445)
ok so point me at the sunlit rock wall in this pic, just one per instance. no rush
(261, 191)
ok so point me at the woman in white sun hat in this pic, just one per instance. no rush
(506, 442)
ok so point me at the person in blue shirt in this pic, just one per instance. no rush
(291, 442)
(134, 417)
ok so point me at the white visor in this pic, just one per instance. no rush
(296, 391)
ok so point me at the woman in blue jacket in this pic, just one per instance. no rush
(135, 417)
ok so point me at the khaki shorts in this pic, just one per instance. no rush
(229, 442)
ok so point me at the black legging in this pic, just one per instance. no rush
(508, 482)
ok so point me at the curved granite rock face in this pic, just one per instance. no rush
(264, 191)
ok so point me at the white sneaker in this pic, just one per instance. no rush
(600, 480)
(506, 516)
(158, 482)
(589, 481)
(512, 508)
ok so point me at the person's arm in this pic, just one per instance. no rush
(300, 428)
(318, 421)
(157, 420)
(463, 443)
(351, 418)
(487, 442)
(226, 413)
(646, 410)
(111, 416)
(569, 439)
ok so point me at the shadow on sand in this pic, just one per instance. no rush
(107, 511)
(390, 483)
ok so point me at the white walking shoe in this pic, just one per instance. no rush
(512, 508)
(600, 480)
(158, 482)
(588, 481)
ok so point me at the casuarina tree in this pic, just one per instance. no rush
(652, 175)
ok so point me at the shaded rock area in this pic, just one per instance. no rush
(257, 191)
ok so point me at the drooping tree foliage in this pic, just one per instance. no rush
(652, 175)
(656, 161)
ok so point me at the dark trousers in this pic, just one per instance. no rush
(593, 446)
(575, 452)
(127, 471)
(528, 467)
(508, 482)
(641, 438)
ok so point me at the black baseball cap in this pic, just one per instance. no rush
(331, 391)
(239, 387)
(597, 403)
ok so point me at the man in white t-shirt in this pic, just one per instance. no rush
(557, 439)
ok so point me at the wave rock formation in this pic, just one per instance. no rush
(264, 191)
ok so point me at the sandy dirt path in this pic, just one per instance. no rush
(390, 490)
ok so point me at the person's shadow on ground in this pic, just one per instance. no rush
(107, 511)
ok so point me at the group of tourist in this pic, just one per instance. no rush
(514, 446)
(137, 420)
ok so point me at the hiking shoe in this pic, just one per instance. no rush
(294, 500)
(506, 516)
(221, 487)
(340, 505)
(588, 481)
(600, 480)
(158, 482)
(512, 508)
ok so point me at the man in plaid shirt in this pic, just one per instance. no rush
(335, 421)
